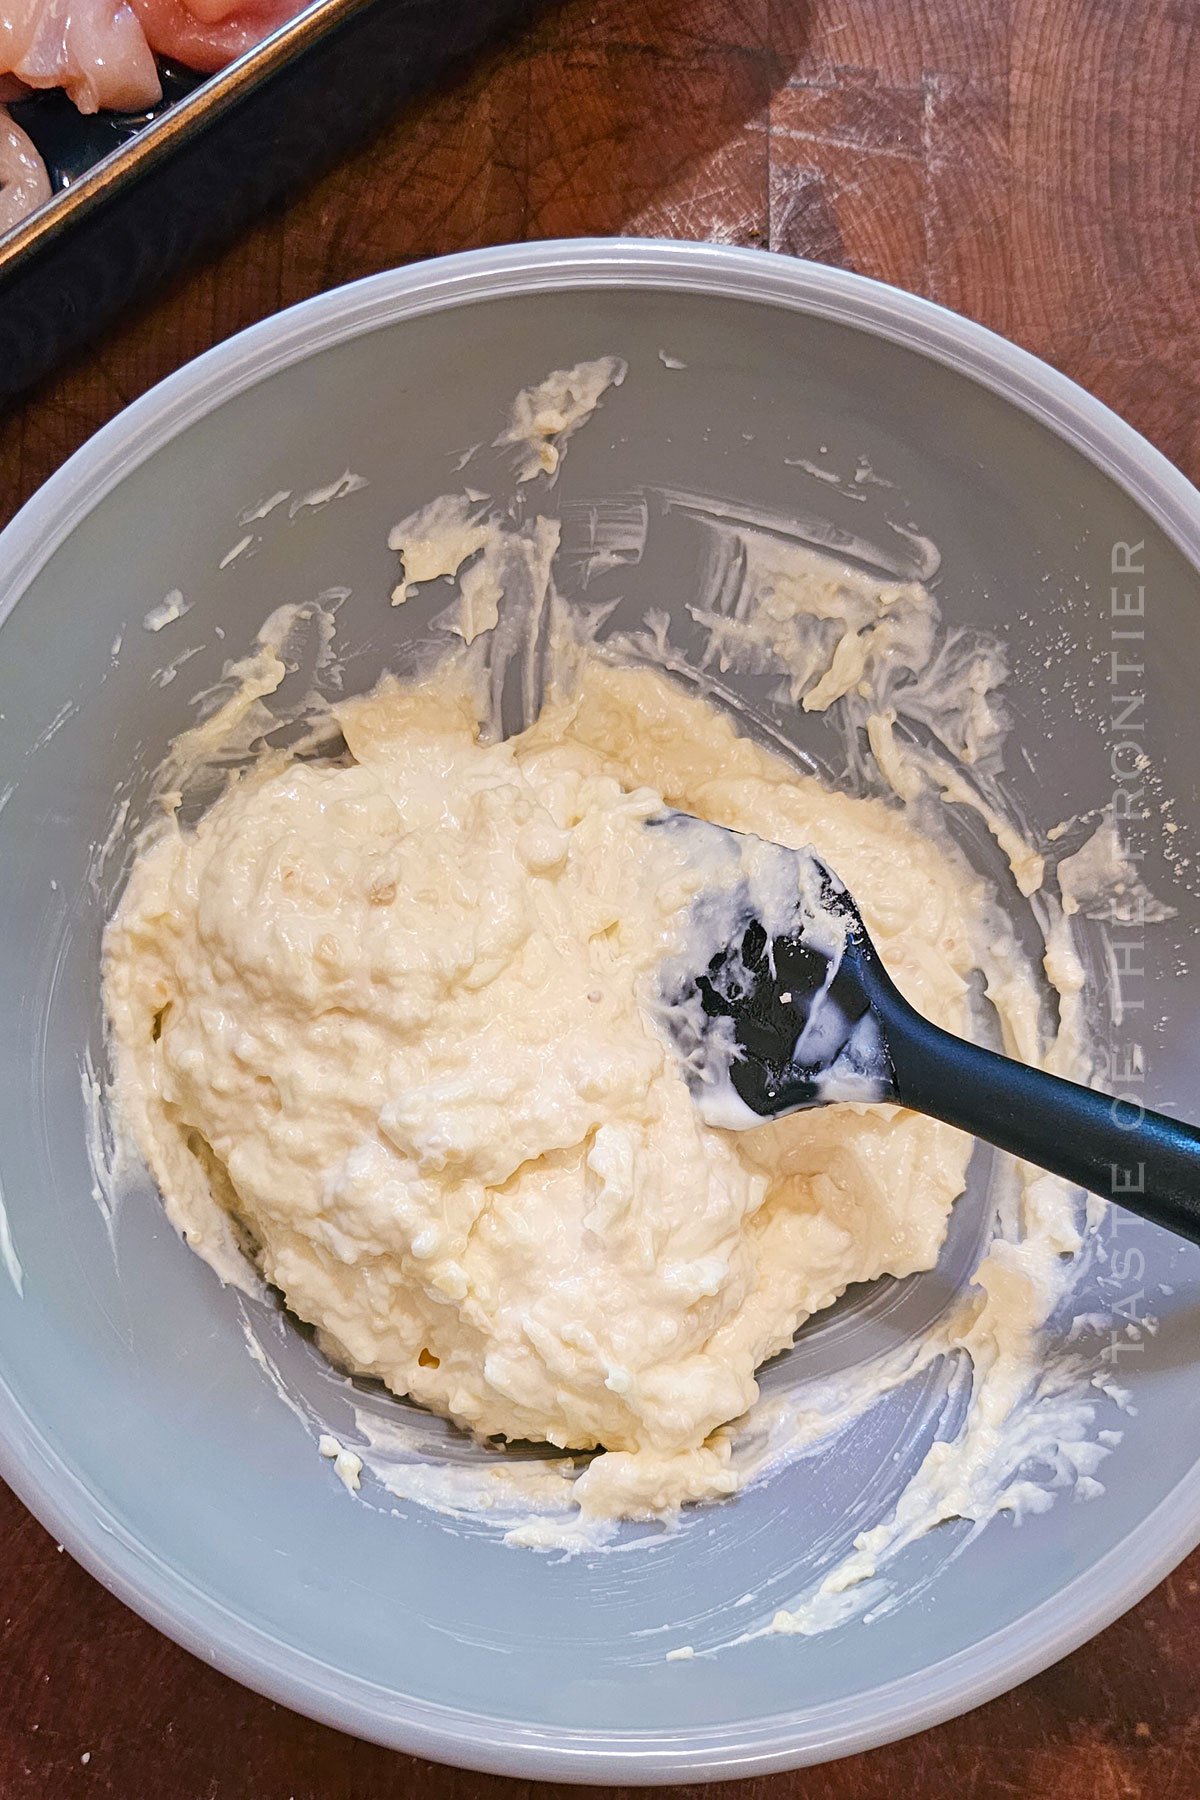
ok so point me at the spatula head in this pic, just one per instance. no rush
(770, 1002)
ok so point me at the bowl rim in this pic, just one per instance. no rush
(55, 1494)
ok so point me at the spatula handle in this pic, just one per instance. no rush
(1115, 1148)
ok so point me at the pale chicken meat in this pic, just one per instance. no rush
(207, 34)
(24, 183)
(95, 49)
(103, 53)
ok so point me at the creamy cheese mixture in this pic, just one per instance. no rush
(387, 1018)
(398, 1017)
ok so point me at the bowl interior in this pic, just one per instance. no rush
(135, 1420)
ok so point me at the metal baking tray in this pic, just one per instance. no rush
(138, 196)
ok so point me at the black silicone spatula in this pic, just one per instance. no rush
(780, 1001)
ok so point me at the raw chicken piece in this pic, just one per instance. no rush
(24, 183)
(206, 34)
(96, 49)
(212, 12)
(102, 52)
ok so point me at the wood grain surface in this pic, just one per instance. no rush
(1032, 163)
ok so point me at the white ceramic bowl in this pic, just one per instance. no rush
(133, 1422)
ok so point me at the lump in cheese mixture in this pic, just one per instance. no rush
(394, 1016)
